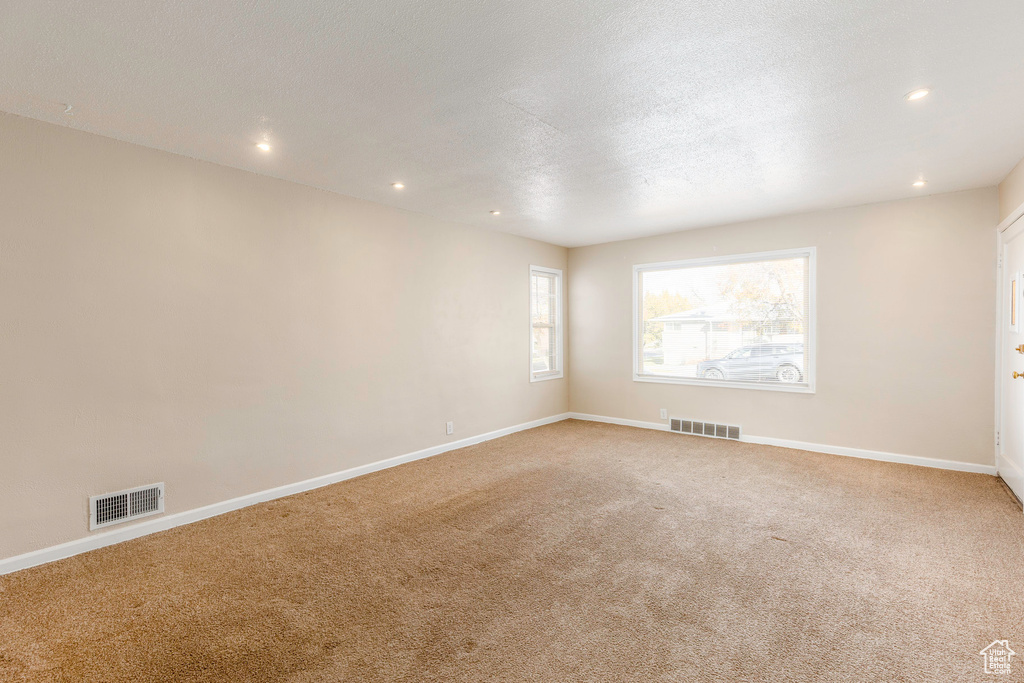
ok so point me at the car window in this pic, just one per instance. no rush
(741, 353)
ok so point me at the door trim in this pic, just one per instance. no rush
(1008, 229)
(1014, 216)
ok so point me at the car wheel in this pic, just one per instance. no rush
(713, 373)
(788, 374)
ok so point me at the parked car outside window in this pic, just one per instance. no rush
(758, 362)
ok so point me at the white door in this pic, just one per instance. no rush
(1011, 442)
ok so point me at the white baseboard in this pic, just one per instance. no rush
(103, 539)
(663, 427)
(1009, 471)
(815, 447)
(874, 455)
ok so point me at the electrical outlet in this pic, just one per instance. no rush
(664, 413)
(449, 428)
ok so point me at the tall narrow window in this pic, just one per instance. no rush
(745, 321)
(545, 323)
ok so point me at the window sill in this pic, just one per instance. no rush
(726, 384)
(542, 378)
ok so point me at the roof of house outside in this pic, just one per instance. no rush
(716, 313)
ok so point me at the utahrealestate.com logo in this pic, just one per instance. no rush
(997, 657)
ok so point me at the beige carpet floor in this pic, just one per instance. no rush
(572, 552)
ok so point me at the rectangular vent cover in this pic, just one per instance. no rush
(704, 429)
(124, 506)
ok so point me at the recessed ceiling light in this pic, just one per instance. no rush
(917, 94)
(397, 186)
(920, 183)
(263, 146)
(495, 213)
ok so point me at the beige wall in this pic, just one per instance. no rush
(163, 319)
(906, 318)
(1011, 191)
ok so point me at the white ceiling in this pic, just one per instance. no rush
(583, 121)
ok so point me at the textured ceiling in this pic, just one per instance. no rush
(583, 121)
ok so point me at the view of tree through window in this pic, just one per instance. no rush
(743, 321)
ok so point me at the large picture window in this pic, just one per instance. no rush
(545, 323)
(745, 321)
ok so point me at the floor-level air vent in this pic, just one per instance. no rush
(704, 428)
(124, 506)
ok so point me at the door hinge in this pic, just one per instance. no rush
(997, 439)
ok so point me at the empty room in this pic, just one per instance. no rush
(523, 341)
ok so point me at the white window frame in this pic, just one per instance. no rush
(811, 253)
(559, 325)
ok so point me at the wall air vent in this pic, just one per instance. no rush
(704, 429)
(125, 506)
